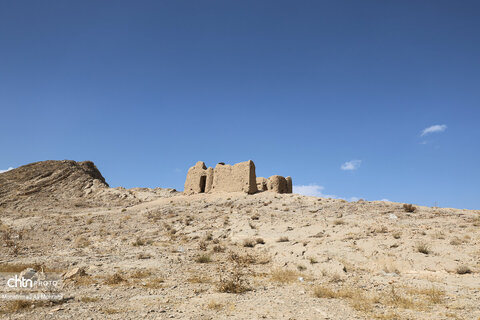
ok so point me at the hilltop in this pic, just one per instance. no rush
(235, 255)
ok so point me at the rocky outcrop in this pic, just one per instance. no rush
(240, 177)
(55, 184)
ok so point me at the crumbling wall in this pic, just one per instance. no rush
(289, 184)
(239, 177)
(277, 184)
(209, 183)
(196, 179)
(262, 184)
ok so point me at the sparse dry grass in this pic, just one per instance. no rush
(114, 279)
(154, 283)
(199, 279)
(19, 267)
(423, 247)
(14, 306)
(433, 294)
(87, 299)
(365, 301)
(284, 275)
(140, 274)
(203, 258)
(82, 242)
(212, 305)
(456, 241)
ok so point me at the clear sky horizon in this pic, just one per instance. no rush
(353, 99)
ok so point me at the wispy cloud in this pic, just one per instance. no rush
(315, 190)
(351, 165)
(312, 190)
(433, 129)
(2, 171)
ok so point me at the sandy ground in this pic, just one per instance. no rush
(237, 256)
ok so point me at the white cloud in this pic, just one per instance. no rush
(2, 171)
(315, 190)
(433, 129)
(351, 165)
(312, 190)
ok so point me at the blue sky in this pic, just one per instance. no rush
(336, 94)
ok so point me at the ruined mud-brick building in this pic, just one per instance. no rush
(240, 177)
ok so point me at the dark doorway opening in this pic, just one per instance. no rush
(203, 182)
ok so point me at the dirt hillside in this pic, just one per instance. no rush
(65, 184)
(164, 255)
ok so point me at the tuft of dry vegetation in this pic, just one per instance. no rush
(284, 276)
(249, 243)
(423, 247)
(463, 270)
(409, 207)
(203, 258)
(114, 279)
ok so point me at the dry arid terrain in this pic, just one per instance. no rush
(159, 254)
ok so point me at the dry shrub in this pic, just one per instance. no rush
(463, 270)
(284, 276)
(235, 282)
(233, 277)
(203, 258)
(283, 239)
(423, 247)
(409, 207)
(140, 274)
(199, 279)
(154, 283)
(114, 279)
(260, 241)
(434, 295)
(141, 242)
(249, 243)
(399, 300)
(82, 242)
(19, 267)
(87, 299)
(456, 241)
(397, 234)
(15, 306)
(218, 248)
(212, 305)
